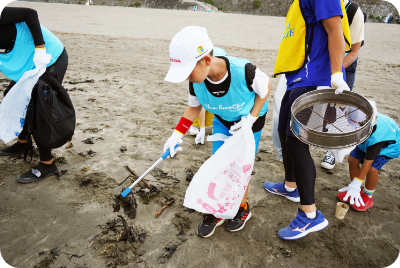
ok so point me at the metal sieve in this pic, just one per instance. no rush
(324, 119)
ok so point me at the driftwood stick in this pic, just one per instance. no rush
(1, 183)
(131, 171)
(158, 213)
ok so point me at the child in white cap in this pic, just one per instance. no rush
(373, 154)
(227, 87)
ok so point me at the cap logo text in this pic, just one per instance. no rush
(175, 60)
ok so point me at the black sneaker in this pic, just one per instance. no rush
(237, 223)
(328, 162)
(39, 172)
(207, 226)
(16, 148)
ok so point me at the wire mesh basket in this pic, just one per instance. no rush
(324, 119)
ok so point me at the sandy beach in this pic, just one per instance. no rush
(118, 58)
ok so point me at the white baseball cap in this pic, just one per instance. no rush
(187, 47)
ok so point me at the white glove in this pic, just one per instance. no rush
(354, 192)
(200, 136)
(250, 119)
(338, 83)
(171, 142)
(41, 58)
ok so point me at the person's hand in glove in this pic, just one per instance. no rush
(41, 59)
(354, 192)
(338, 83)
(171, 142)
(180, 130)
(250, 119)
(200, 136)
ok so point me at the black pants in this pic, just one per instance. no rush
(297, 160)
(59, 67)
(351, 74)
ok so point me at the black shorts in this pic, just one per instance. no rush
(285, 112)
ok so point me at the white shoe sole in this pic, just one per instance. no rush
(210, 234)
(248, 217)
(293, 199)
(327, 165)
(316, 228)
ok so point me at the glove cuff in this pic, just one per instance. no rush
(356, 183)
(183, 125)
(337, 73)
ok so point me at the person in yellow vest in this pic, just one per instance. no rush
(198, 129)
(311, 54)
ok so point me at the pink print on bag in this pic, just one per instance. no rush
(209, 208)
(246, 168)
(211, 189)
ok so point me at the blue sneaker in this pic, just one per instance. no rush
(302, 226)
(279, 189)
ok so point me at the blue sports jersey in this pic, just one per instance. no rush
(317, 70)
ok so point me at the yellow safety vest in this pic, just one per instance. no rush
(293, 50)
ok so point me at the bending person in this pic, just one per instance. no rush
(318, 65)
(24, 46)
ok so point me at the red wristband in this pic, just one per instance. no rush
(183, 125)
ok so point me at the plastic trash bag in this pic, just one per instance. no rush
(219, 185)
(279, 93)
(15, 104)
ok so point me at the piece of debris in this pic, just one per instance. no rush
(69, 145)
(88, 141)
(61, 160)
(59, 174)
(168, 254)
(85, 182)
(285, 252)
(1, 183)
(142, 237)
(257, 159)
(119, 184)
(55, 251)
(128, 203)
(44, 263)
(91, 130)
(166, 203)
(123, 149)
(106, 194)
(184, 223)
(91, 99)
(189, 175)
(42, 253)
(131, 171)
(91, 153)
(74, 255)
(341, 225)
(85, 168)
(189, 210)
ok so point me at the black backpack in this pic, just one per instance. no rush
(351, 10)
(53, 116)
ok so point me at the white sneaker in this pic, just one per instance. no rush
(194, 130)
(328, 162)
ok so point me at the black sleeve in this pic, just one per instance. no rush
(374, 150)
(250, 73)
(12, 15)
(191, 89)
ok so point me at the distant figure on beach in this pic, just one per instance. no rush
(195, 8)
(356, 20)
(306, 69)
(389, 18)
(24, 46)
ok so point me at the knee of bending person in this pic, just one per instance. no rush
(353, 161)
(373, 172)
